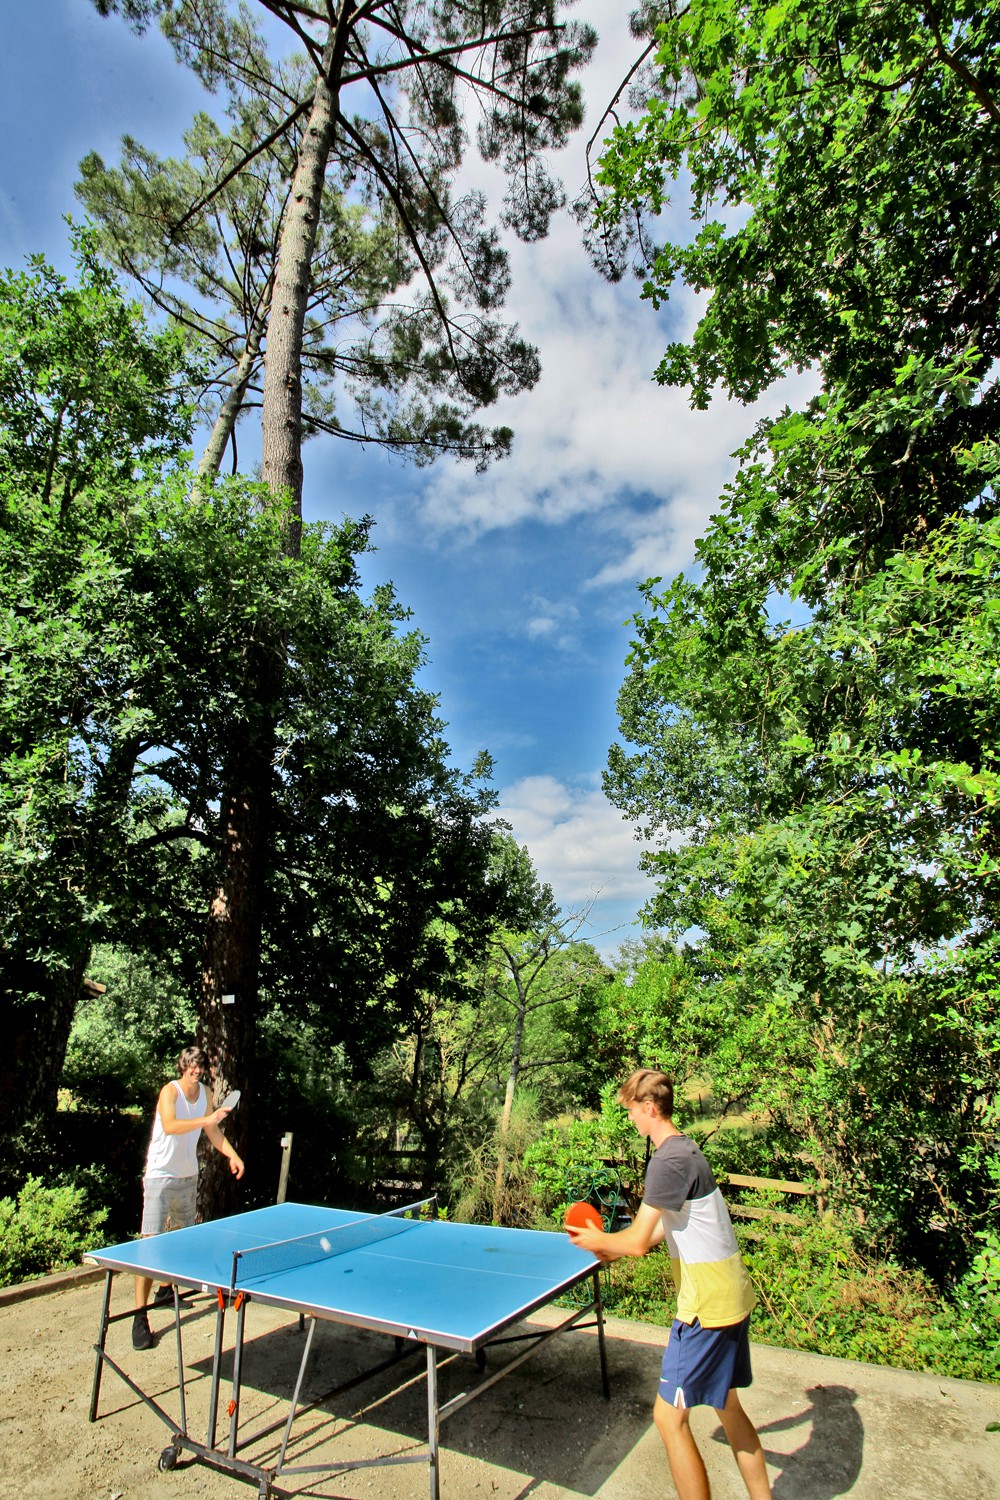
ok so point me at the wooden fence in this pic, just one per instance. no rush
(739, 1208)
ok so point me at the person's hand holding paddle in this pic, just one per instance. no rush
(228, 1104)
(586, 1228)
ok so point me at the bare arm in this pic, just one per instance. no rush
(645, 1231)
(221, 1144)
(167, 1107)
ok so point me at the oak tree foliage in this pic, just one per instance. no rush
(132, 620)
(812, 711)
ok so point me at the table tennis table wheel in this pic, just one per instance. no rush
(169, 1457)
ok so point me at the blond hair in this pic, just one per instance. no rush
(647, 1083)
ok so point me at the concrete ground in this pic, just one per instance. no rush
(830, 1427)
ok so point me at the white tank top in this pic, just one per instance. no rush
(177, 1155)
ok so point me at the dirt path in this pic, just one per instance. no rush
(831, 1428)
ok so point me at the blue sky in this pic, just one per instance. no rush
(522, 579)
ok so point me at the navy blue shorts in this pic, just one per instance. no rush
(702, 1365)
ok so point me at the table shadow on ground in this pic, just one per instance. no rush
(547, 1420)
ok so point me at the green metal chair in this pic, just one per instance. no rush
(602, 1187)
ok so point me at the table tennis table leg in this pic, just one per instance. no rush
(599, 1312)
(295, 1396)
(234, 1417)
(433, 1421)
(213, 1399)
(180, 1360)
(95, 1394)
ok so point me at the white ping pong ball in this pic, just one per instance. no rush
(324, 1243)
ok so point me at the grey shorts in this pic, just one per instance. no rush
(168, 1203)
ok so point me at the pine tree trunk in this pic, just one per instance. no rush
(281, 420)
(225, 422)
(231, 954)
(228, 1028)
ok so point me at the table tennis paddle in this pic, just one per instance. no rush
(582, 1215)
(231, 1100)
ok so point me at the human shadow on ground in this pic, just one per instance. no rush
(829, 1461)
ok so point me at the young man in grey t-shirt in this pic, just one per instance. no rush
(707, 1358)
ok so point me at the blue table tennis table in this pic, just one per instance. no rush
(420, 1281)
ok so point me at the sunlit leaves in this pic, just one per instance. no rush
(812, 713)
(402, 343)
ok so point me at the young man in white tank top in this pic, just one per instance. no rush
(170, 1182)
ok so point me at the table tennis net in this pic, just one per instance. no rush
(322, 1244)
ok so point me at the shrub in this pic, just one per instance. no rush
(757, 1150)
(46, 1229)
(964, 1339)
(478, 1196)
(566, 1152)
(817, 1290)
(560, 1153)
(643, 1289)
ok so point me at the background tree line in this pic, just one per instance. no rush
(218, 766)
(811, 713)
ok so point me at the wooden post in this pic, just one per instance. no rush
(286, 1156)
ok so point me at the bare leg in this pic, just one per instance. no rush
(747, 1451)
(686, 1465)
(142, 1289)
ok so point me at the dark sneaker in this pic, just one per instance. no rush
(141, 1336)
(163, 1296)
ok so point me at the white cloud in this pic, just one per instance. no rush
(579, 843)
(595, 425)
(585, 850)
(698, 463)
(597, 437)
(553, 622)
(540, 627)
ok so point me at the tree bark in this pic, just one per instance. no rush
(225, 423)
(231, 954)
(228, 1027)
(281, 419)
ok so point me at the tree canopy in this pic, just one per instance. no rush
(334, 192)
(811, 712)
(132, 618)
